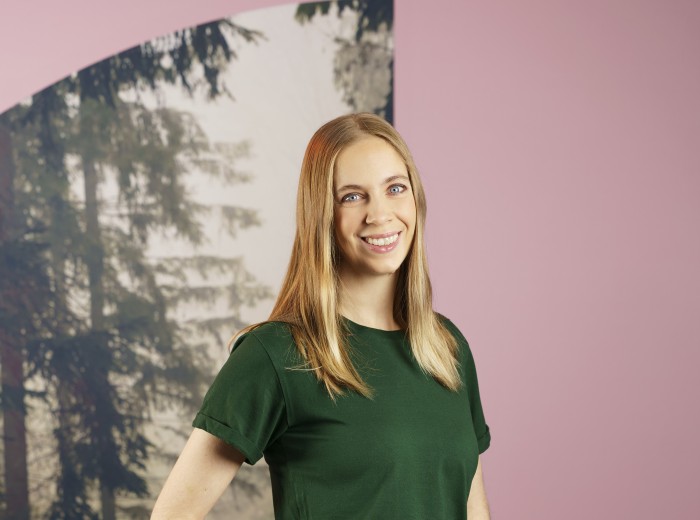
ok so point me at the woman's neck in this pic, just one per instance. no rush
(368, 300)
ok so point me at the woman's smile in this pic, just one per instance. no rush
(385, 244)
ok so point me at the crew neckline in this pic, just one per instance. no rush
(372, 329)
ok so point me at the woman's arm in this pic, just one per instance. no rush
(204, 469)
(477, 505)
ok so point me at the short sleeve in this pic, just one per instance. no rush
(245, 405)
(481, 428)
(483, 434)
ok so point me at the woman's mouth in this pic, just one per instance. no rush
(383, 244)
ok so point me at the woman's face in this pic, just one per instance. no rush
(375, 212)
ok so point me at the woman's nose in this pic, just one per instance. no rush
(378, 211)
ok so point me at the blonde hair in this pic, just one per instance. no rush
(308, 299)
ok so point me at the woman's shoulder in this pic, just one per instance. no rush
(450, 325)
(274, 337)
(274, 331)
(456, 333)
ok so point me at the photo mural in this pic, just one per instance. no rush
(144, 203)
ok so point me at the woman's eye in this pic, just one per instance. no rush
(397, 188)
(348, 199)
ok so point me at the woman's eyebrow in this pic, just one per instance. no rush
(386, 181)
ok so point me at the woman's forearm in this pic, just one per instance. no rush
(204, 469)
(477, 504)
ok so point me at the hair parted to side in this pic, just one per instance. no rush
(308, 299)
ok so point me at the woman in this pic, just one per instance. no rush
(362, 399)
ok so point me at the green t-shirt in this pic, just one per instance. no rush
(409, 454)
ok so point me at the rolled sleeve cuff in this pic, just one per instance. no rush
(229, 436)
(484, 440)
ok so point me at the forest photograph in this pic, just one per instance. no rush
(144, 202)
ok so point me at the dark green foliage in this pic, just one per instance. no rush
(178, 58)
(371, 15)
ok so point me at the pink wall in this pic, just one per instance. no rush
(560, 147)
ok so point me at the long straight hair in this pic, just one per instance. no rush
(308, 299)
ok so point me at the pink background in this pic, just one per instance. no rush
(560, 146)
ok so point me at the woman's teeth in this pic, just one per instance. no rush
(382, 241)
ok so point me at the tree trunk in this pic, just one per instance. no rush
(70, 483)
(12, 360)
(94, 259)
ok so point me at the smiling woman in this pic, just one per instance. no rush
(374, 225)
(363, 400)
